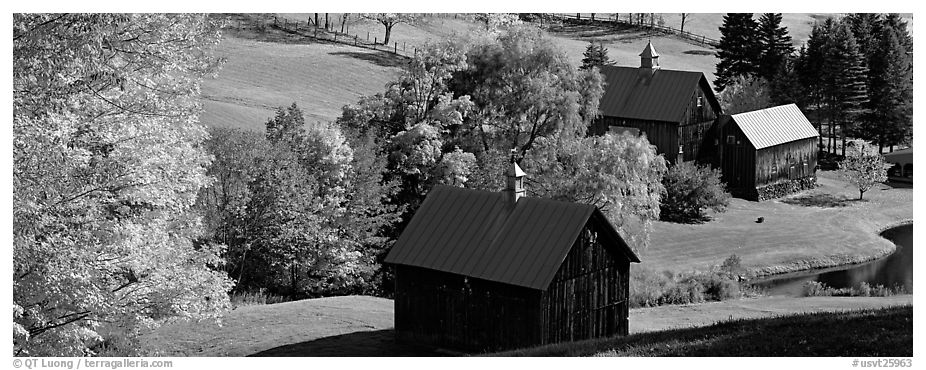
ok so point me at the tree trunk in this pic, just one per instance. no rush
(326, 21)
(860, 194)
(842, 132)
(316, 20)
(684, 15)
(388, 33)
(344, 21)
(292, 279)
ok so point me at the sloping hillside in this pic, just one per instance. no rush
(321, 78)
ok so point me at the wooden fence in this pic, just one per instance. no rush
(614, 19)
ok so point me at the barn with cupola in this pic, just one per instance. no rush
(675, 109)
(487, 271)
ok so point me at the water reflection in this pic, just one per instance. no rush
(894, 270)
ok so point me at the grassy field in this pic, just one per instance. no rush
(817, 228)
(362, 326)
(321, 78)
(865, 333)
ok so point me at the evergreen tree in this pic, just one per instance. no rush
(890, 115)
(809, 68)
(866, 28)
(595, 56)
(774, 43)
(844, 76)
(738, 51)
(785, 86)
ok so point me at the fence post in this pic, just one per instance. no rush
(316, 33)
(403, 46)
(395, 49)
(368, 35)
(375, 40)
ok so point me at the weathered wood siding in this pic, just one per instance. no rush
(449, 310)
(788, 161)
(694, 129)
(737, 159)
(687, 136)
(588, 297)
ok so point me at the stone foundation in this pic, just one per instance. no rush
(780, 189)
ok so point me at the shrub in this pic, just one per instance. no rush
(863, 289)
(690, 189)
(733, 266)
(649, 288)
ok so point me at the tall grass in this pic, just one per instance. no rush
(258, 297)
(649, 288)
(863, 289)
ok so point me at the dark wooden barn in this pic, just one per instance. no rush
(675, 109)
(767, 153)
(486, 271)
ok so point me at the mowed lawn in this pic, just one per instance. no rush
(363, 326)
(816, 228)
(321, 78)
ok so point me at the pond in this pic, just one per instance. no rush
(891, 271)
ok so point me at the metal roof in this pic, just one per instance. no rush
(773, 126)
(476, 233)
(662, 96)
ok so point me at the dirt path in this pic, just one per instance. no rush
(363, 326)
(684, 316)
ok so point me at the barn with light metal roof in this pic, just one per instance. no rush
(767, 153)
(486, 271)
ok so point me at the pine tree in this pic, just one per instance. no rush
(738, 51)
(595, 56)
(774, 43)
(889, 120)
(844, 76)
(809, 68)
(866, 28)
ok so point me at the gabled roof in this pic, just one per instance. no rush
(475, 233)
(663, 96)
(773, 126)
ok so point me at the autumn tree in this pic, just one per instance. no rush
(745, 94)
(863, 167)
(690, 190)
(389, 20)
(619, 174)
(107, 162)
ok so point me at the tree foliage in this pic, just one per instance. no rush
(745, 94)
(454, 115)
(619, 174)
(690, 190)
(863, 166)
(107, 162)
(738, 50)
(305, 212)
(595, 56)
(774, 45)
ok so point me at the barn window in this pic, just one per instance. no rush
(681, 149)
(731, 139)
(700, 101)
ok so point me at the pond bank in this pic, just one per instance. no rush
(819, 228)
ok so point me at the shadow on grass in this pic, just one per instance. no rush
(593, 30)
(877, 332)
(822, 200)
(376, 343)
(698, 52)
(380, 58)
(687, 220)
